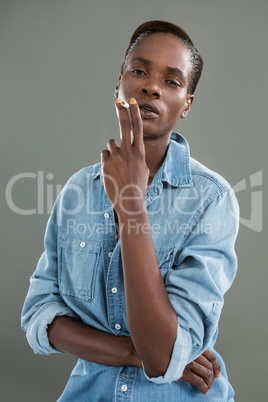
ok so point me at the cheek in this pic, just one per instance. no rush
(173, 114)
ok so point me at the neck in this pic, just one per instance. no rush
(155, 152)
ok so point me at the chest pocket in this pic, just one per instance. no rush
(78, 266)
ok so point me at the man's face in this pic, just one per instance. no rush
(157, 75)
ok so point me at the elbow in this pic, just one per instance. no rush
(158, 366)
(155, 372)
(159, 357)
(168, 367)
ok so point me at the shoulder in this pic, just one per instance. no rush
(210, 186)
(85, 175)
(78, 186)
(74, 196)
(202, 175)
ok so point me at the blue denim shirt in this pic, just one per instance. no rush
(193, 218)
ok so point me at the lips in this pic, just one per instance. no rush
(148, 109)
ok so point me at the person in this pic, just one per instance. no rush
(139, 249)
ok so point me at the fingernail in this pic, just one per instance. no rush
(118, 101)
(132, 101)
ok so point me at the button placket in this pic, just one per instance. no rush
(108, 236)
(113, 292)
(125, 383)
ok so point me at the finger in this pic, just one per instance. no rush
(204, 362)
(207, 374)
(124, 125)
(137, 124)
(195, 380)
(112, 146)
(212, 358)
(104, 155)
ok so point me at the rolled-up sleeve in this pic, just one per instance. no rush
(43, 301)
(37, 328)
(203, 270)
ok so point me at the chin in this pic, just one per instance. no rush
(149, 127)
(152, 131)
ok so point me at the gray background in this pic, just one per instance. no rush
(59, 62)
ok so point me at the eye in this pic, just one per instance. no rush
(137, 72)
(174, 83)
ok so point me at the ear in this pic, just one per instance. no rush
(117, 86)
(187, 107)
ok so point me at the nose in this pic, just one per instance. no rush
(151, 89)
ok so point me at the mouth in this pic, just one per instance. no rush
(148, 109)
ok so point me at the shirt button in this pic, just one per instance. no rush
(114, 290)
(124, 388)
(117, 326)
(82, 244)
(106, 215)
(110, 254)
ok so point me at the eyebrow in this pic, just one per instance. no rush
(171, 69)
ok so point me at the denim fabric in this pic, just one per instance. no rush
(193, 217)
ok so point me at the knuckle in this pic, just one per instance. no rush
(207, 353)
(141, 152)
(125, 123)
(200, 383)
(202, 386)
(213, 358)
(136, 123)
(208, 375)
(111, 142)
(186, 371)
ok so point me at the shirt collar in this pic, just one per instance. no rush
(176, 167)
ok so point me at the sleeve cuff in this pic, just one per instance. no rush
(179, 358)
(37, 331)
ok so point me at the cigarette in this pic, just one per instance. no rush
(125, 104)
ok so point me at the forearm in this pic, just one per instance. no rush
(151, 318)
(78, 339)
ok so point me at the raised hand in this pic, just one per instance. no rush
(124, 168)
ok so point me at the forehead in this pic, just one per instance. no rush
(164, 50)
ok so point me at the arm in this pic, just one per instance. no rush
(149, 310)
(51, 325)
(85, 342)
